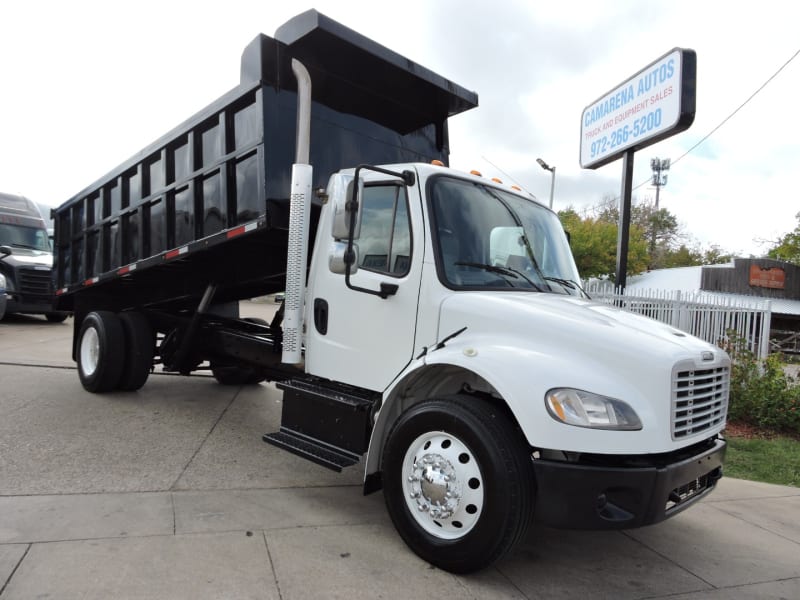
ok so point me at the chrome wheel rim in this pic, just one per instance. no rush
(90, 351)
(443, 485)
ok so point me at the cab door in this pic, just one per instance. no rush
(353, 336)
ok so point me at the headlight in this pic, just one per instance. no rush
(585, 409)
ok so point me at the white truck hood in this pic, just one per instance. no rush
(34, 258)
(525, 344)
(569, 321)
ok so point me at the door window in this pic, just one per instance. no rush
(385, 241)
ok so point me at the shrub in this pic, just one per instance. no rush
(762, 394)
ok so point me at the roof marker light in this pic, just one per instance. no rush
(437, 163)
(476, 173)
(496, 180)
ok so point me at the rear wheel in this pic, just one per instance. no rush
(101, 351)
(140, 346)
(458, 482)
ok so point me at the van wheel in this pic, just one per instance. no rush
(101, 351)
(140, 344)
(458, 482)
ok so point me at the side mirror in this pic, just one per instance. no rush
(5, 251)
(337, 262)
(340, 192)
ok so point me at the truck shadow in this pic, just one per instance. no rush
(33, 320)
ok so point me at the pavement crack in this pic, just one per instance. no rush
(174, 518)
(205, 439)
(6, 363)
(510, 582)
(710, 585)
(272, 566)
(14, 570)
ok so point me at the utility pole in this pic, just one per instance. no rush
(659, 166)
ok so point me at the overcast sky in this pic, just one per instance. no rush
(85, 85)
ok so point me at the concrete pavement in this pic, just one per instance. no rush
(169, 492)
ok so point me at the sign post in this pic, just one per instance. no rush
(654, 104)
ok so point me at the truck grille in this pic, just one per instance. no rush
(34, 282)
(699, 400)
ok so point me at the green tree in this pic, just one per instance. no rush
(714, 255)
(788, 247)
(657, 241)
(682, 256)
(594, 245)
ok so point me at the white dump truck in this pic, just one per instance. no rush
(433, 327)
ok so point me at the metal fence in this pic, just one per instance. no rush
(711, 317)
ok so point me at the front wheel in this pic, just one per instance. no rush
(458, 482)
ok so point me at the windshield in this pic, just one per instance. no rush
(21, 236)
(491, 239)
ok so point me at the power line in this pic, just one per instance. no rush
(753, 95)
(709, 134)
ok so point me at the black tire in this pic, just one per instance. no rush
(234, 374)
(56, 317)
(140, 345)
(100, 351)
(491, 482)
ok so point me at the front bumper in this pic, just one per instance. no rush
(28, 304)
(645, 491)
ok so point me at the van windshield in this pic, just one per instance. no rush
(22, 236)
(487, 238)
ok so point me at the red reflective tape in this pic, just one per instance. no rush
(177, 252)
(234, 232)
(59, 292)
(123, 270)
(91, 281)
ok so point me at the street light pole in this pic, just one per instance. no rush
(552, 170)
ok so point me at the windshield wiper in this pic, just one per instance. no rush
(507, 271)
(567, 283)
(26, 246)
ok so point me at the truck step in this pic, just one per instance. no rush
(323, 454)
(344, 396)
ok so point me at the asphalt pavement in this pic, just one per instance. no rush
(169, 492)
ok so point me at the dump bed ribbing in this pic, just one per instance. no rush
(208, 201)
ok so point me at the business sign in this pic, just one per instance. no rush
(773, 278)
(657, 102)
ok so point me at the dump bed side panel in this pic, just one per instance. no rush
(208, 201)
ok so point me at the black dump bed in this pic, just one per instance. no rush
(208, 201)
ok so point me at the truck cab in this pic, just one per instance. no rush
(26, 260)
(456, 300)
